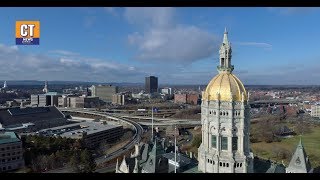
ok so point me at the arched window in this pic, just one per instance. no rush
(224, 113)
(213, 162)
(227, 164)
(209, 112)
(220, 113)
(227, 113)
(240, 164)
(224, 164)
(214, 113)
(220, 163)
(210, 161)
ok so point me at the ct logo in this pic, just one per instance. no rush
(27, 29)
(27, 32)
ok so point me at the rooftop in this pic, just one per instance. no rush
(8, 137)
(76, 130)
(182, 159)
(12, 116)
(52, 93)
(24, 111)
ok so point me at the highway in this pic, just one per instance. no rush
(135, 139)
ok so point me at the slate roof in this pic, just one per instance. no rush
(299, 162)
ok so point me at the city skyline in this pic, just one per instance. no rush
(271, 46)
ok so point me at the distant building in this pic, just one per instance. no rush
(78, 102)
(167, 91)
(315, 111)
(5, 85)
(11, 152)
(284, 131)
(118, 99)
(104, 92)
(186, 98)
(151, 84)
(48, 99)
(31, 118)
(45, 89)
(92, 133)
(180, 98)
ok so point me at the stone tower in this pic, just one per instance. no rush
(45, 89)
(225, 120)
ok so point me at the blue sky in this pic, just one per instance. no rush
(179, 45)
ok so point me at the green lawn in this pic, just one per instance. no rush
(311, 142)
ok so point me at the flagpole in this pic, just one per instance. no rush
(152, 123)
(175, 150)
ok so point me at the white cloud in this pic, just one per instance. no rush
(111, 10)
(255, 44)
(15, 65)
(160, 17)
(291, 10)
(63, 52)
(165, 40)
(180, 44)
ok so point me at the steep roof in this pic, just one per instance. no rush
(154, 158)
(276, 168)
(299, 162)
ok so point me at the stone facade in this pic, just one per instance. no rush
(225, 123)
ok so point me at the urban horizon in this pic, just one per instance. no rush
(128, 44)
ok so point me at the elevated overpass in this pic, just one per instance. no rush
(275, 101)
(135, 139)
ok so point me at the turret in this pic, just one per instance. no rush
(225, 54)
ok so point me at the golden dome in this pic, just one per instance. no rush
(227, 85)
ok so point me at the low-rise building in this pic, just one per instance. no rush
(104, 92)
(92, 133)
(186, 98)
(48, 99)
(78, 102)
(11, 152)
(315, 111)
(118, 99)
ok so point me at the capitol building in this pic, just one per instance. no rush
(225, 121)
(225, 147)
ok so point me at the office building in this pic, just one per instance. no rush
(151, 84)
(48, 99)
(92, 133)
(104, 92)
(11, 152)
(315, 111)
(186, 98)
(166, 91)
(78, 102)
